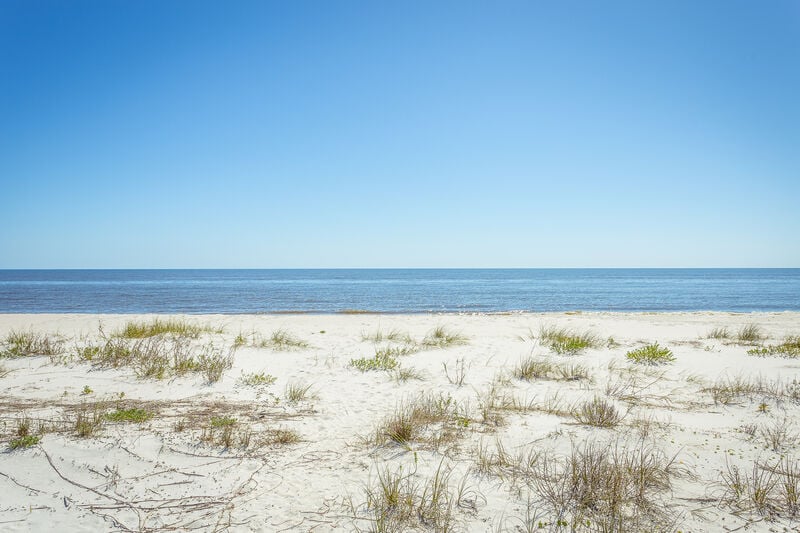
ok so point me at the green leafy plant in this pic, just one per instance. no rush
(652, 354)
(134, 415)
(24, 442)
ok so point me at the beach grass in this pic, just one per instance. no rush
(597, 412)
(789, 348)
(443, 337)
(29, 343)
(651, 354)
(565, 341)
(134, 329)
(132, 415)
(750, 334)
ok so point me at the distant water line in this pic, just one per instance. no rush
(397, 290)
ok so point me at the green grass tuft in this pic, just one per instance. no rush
(28, 343)
(441, 337)
(134, 415)
(718, 333)
(158, 326)
(749, 334)
(652, 354)
(565, 341)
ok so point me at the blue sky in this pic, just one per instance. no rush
(151, 134)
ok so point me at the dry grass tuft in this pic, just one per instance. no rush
(719, 334)
(598, 413)
(531, 369)
(432, 420)
(280, 340)
(770, 490)
(399, 501)
(29, 343)
(441, 337)
(610, 487)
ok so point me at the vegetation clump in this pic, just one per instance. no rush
(157, 357)
(29, 343)
(606, 486)
(297, 392)
(441, 337)
(134, 415)
(382, 360)
(257, 379)
(719, 333)
(281, 340)
(564, 341)
(789, 348)
(598, 413)
(430, 419)
(652, 354)
(397, 501)
(750, 334)
(24, 442)
(531, 369)
(177, 327)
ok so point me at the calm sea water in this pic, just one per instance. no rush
(397, 291)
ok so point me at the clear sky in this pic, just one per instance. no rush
(159, 134)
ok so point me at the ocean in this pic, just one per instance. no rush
(397, 290)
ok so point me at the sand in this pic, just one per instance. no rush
(308, 465)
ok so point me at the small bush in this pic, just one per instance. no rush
(652, 354)
(380, 361)
(789, 348)
(257, 379)
(133, 415)
(24, 442)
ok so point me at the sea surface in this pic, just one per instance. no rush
(397, 290)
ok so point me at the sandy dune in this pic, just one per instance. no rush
(479, 449)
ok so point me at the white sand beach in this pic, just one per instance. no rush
(482, 426)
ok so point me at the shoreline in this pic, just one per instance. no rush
(292, 433)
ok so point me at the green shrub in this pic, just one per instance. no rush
(380, 361)
(564, 341)
(652, 354)
(129, 415)
(788, 348)
(24, 442)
